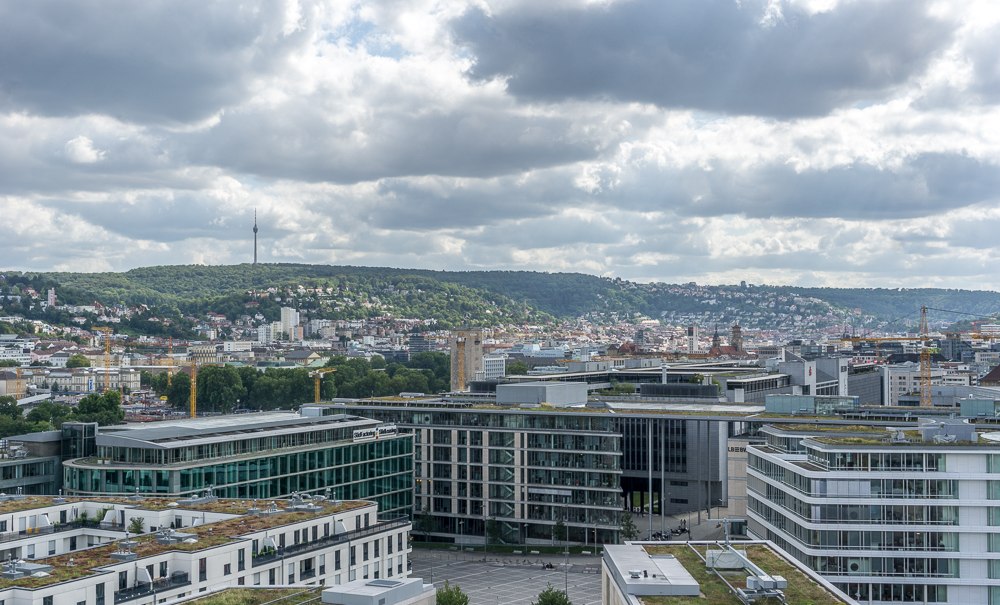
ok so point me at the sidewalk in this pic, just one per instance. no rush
(707, 529)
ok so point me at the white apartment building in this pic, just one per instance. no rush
(289, 321)
(64, 551)
(264, 334)
(494, 366)
(16, 350)
(904, 379)
(237, 346)
(887, 516)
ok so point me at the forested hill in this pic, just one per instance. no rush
(492, 297)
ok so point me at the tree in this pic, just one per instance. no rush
(103, 409)
(219, 388)
(179, 392)
(517, 368)
(9, 363)
(559, 530)
(551, 596)
(494, 531)
(77, 361)
(451, 595)
(50, 412)
(9, 407)
(423, 523)
(628, 528)
(136, 525)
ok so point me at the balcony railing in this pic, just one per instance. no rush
(305, 547)
(176, 580)
(48, 529)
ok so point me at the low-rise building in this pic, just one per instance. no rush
(710, 572)
(63, 551)
(395, 591)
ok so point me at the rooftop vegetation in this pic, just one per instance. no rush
(82, 563)
(261, 596)
(801, 590)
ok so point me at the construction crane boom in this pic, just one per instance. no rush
(925, 354)
(926, 400)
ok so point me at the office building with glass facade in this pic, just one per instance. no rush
(523, 470)
(267, 455)
(886, 515)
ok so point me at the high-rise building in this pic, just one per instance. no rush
(692, 334)
(52, 297)
(466, 358)
(289, 320)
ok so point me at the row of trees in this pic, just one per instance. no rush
(222, 389)
(452, 594)
(104, 409)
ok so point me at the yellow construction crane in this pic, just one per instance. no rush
(106, 331)
(925, 354)
(170, 360)
(193, 397)
(317, 376)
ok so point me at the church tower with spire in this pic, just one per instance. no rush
(255, 236)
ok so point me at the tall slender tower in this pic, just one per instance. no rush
(255, 236)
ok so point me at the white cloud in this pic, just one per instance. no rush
(81, 150)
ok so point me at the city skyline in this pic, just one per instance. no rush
(799, 142)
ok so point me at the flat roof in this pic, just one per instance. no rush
(196, 431)
(804, 585)
(638, 572)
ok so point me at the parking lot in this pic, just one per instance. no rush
(510, 580)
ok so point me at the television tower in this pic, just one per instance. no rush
(255, 236)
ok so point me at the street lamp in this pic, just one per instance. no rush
(461, 536)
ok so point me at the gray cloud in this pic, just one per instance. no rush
(165, 217)
(986, 64)
(713, 55)
(156, 60)
(926, 184)
(301, 141)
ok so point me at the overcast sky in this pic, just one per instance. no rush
(810, 142)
